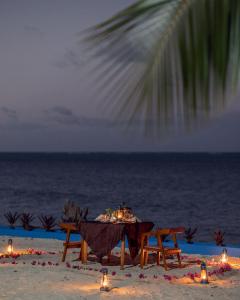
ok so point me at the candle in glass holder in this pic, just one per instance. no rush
(104, 281)
(224, 256)
(204, 273)
(10, 246)
(119, 214)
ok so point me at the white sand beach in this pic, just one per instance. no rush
(42, 275)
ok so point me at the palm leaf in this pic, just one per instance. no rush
(171, 63)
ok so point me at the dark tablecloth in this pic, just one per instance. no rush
(103, 237)
(133, 233)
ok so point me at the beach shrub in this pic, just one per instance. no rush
(73, 214)
(12, 218)
(189, 234)
(48, 222)
(70, 212)
(26, 220)
(219, 238)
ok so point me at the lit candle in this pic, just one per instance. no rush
(204, 273)
(119, 214)
(10, 246)
(224, 256)
(104, 281)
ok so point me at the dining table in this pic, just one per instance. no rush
(102, 238)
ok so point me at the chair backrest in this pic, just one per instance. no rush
(145, 237)
(159, 234)
(174, 232)
(165, 231)
(177, 230)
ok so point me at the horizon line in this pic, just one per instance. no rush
(120, 152)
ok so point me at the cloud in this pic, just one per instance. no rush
(22, 126)
(62, 110)
(8, 113)
(71, 58)
(33, 30)
(65, 116)
(9, 120)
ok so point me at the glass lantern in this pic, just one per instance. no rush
(10, 246)
(204, 273)
(224, 256)
(105, 287)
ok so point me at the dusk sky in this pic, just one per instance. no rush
(47, 101)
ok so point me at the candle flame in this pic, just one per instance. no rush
(119, 214)
(10, 249)
(105, 281)
(224, 258)
(203, 275)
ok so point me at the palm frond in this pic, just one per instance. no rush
(168, 62)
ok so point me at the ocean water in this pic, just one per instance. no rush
(193, 190)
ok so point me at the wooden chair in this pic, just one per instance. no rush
(83, 254)
(70, 228)
(162, 251)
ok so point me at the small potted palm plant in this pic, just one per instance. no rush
(12, 218)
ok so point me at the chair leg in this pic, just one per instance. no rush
(80, 252)
(66, 245)
(179, 260)
(142, 258)
(164, 262)
(158, 258)
(122, 258)
(145, 257)
(84, 249)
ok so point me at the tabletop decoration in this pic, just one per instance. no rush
(121, 215)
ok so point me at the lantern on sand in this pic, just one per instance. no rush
(104, 281)
(10, 246)
(224, 256)
(204, 273)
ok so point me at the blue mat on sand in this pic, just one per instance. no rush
(195, 248)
